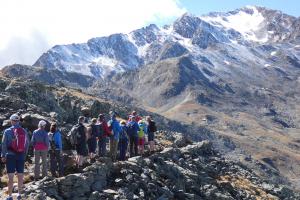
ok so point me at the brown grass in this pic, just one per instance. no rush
(242, 183)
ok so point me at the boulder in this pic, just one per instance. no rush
(31, 121)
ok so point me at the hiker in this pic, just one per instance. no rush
(132, 131)
(123, 141)
(40, 143)
(92, 132)
(15, 143)
(114, 138)
(103, 134)
(136, 117)
(141, 137)
(80, 143)
(56, 162)
(151, 129)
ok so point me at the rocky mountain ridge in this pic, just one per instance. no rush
(183, 170)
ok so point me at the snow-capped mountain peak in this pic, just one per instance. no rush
(189, 34)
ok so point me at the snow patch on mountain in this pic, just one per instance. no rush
(273, 53)
(227, 62)
(247, 21)
(267, 65)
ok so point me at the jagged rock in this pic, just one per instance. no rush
(95, 196)
(31, 121)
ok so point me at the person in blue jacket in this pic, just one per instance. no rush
(56, 161)
(14, 153)
(115, 127)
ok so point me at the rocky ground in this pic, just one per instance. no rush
(180, 170)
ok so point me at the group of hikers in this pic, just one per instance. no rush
(85, 137)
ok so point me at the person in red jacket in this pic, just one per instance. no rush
(136, 117)
(104, 133)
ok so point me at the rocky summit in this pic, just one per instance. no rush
(185, 171)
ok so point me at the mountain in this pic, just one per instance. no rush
(101, 57)
(235, 73)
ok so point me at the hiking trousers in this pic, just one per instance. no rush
(113, 148)
(56, 163)
(102, 147)
(40, 155)
(123, 143)
(133, 145)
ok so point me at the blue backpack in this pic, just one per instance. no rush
(123, 133)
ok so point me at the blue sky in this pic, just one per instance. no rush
(199, 7)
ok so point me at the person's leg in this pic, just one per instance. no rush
(53, 163)
(20, 182)
(111, 144)
(125, 148)
(93, 148)
(44, 163)
(150, 141)
(136, 143)
(131, 145)
(80, 160)
(122, 149)
(37, 155)
(20, 165)
(10, 184)
(59, 160)
(111, 148)
(152, 146)
(104, 150)
(116, 142)
(142, 146)
(10, 168)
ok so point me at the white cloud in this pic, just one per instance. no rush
(30, 27)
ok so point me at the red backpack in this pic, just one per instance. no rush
(18, 143)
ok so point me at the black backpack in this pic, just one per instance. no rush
(131, 129)
(152, 127)
(97, 130)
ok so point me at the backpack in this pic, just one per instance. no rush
(131, 129)
(141, 132)
(152, 127)
(74, 135)
(123, 133)
(97, 130)
(18, 143)
(52, 143)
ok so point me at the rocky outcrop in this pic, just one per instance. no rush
(194, 171)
